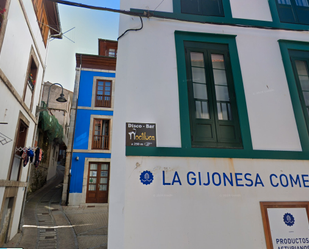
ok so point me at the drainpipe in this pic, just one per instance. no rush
(74, 107)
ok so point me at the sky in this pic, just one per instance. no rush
(89, 26)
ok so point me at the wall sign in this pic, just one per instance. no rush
(141, 134)
(286, 224)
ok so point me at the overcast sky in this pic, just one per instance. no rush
(90, 25)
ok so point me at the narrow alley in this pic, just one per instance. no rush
(47, 224)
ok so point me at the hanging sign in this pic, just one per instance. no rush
(141, 134)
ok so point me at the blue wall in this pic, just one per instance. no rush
(82, 127)
(85, 86)
(77, 170)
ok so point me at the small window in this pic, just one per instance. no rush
(103, 93)
(212, 101)
(100, 139)
(112, 52)
(300, 64)
(293, 11)
(202, 7)
(32, 75)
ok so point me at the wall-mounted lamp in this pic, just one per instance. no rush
(77, 158)
(60, 99)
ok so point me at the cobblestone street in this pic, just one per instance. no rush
(46, 224)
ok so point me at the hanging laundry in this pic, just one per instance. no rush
(38, 157)
(30, 154)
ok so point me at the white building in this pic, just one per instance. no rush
(24, 39)
(226, 85)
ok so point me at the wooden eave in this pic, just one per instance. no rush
(53, 18)
(95, 62)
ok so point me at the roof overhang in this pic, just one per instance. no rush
(53, 18)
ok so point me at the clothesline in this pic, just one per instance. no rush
(25, 148)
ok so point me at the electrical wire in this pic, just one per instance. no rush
(142, 25)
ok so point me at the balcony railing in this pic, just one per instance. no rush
(100, 142)
(103, 101)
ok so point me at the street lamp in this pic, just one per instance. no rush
(60, 99)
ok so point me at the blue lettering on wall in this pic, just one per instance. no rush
(230, 180)
(284, 180)
(258, 180)
(248, 180)
(213, 179)
(304, 181)
(176, 179)
(240, 179)
(191, 181)
(271, 180)
(163, 178)
(208, 182)
(295, 181)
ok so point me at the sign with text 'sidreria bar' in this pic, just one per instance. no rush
(141, 134)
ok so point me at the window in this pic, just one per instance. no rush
(212, 104)
(202, 7)
(112, 52)
(300, 64)
(100, 139)
(32, 75)
(103, 93)
(293, 11)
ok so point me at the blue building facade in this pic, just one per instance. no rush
(91, 148)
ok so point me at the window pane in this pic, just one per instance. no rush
(100, 88)
(197, 59)
(220, 77)
(107, 83)
(201, 109)
(100, 92)
(301, 67)
(288, 2)
(103, 187)
(93, 173)
(103, 180)
(100, 83)
(199, 91)
(104, 173)
(304, 82)
(93, 166)
(224, 111)
(306, 97)
(222, 93)
(92, 180)
(198, 75)
(217, 61)
(107, 88)
(104, 166)
(91, 187)
(107, 93)
(303, 3)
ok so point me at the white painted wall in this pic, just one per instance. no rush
(251, 9)
(147, 91)
(17, 211)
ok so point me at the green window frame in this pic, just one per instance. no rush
(202, 7)
(293, 11)
(300, 65)
(211, 96)
(291, 51)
